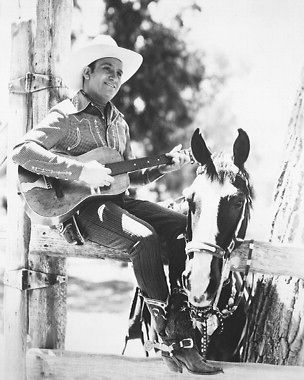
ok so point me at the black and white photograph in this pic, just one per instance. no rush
(151, 189)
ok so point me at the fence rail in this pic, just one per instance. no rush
(267, 258)
(71, 365)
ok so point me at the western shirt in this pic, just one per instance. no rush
(72, 128)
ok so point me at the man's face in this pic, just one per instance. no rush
(104, 82)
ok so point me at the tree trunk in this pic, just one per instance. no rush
(275, 332)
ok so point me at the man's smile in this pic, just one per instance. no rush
(110, 84)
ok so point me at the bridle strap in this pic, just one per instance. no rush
(202, 314)
(199, 246)
(189, 227)
(235, 239)
(230, 310)
(225, 268)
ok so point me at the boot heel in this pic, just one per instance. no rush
(173, 364)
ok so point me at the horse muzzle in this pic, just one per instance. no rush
(200, 280)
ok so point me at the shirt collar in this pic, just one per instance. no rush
(80, 102)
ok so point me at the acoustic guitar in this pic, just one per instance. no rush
(51, 201)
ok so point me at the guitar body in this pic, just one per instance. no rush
(50, 201)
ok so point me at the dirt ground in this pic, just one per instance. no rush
(99, 296)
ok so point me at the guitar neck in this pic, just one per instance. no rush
(137, 164)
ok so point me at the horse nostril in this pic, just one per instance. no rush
(198, 299)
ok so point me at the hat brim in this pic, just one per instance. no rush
(81, 58)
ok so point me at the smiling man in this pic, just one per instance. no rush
(90, 121)
(102, 79)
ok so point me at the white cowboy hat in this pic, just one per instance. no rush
(101, 46)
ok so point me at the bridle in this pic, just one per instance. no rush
(215, 250)
(201, 314)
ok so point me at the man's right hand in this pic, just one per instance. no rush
(95, 174)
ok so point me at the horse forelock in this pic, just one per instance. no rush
(221, 168)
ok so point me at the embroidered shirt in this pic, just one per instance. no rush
(71, 128)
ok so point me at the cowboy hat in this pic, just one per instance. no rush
(102, 46)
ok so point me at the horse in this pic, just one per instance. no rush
(219, 204)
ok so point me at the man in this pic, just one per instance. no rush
(90, 120)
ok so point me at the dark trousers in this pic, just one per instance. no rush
(138, 228)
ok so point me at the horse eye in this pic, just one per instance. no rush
(235, 201)
(190, 255)
(238, 203)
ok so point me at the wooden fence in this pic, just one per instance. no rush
(267, 258)
(67, 365)
(59, 364)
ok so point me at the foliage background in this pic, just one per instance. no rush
(227, 65)
(243, 59)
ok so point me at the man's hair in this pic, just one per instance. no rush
(92, 66)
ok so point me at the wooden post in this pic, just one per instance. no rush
(15, 300)
(276, 319)
(47, 306)
(40, 42)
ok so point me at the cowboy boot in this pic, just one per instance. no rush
(180, 340)
(158, 313)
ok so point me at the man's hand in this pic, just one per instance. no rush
(95, 174)
(179, 159)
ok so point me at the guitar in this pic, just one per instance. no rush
(51, 201)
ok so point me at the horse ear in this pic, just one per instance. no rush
(199, 148)
(241, 148)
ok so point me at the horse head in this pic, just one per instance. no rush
(219, 202)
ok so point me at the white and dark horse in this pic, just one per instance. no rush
(219, 203)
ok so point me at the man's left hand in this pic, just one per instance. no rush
(179, 159)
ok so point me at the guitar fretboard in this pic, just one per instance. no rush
(137, 164)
